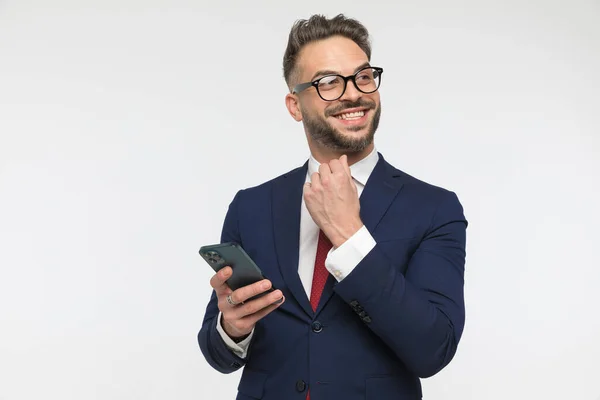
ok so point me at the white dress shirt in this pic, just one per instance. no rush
(339, 262)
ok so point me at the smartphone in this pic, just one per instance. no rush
(245, 270)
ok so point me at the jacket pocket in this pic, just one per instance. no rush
(392, 388)
(252, 383)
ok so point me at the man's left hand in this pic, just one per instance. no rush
(332, 201)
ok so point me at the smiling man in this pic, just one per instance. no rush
(367, 260)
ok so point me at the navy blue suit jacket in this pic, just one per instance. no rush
(398, 316)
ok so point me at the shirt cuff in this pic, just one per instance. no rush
(240, 349)
(341, 262)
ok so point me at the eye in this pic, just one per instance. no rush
(329, 82)
(365, 76)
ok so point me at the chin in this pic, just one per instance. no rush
(355, 131)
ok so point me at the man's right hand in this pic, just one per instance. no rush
(239, 320)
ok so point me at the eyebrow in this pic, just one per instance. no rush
(330, 72)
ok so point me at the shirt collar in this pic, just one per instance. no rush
(360, 170)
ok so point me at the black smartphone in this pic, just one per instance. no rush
(245, 270)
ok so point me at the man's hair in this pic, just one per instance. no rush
(316, 28)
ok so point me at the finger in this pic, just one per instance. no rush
(244, 293)
(324, 170)
(218, 280)
(315, 181)
(344, 162)
(246, 323)
(307, 186)
(325, 174)
(254, 306)
(337, 166)
(257, 316)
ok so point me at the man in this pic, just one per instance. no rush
(368, 262)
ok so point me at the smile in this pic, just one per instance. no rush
(351, 116)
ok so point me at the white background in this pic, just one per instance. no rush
(127, 126)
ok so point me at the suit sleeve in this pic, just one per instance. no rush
(420, 315)
(213, 347)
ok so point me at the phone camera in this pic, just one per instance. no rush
(212, 256)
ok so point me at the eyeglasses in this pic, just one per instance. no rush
(332, 87)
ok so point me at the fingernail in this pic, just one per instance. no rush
(279, 301)
(265, 285)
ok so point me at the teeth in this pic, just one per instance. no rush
(354, 115)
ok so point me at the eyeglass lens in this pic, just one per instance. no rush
(331, 87)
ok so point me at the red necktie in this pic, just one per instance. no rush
(320, 275)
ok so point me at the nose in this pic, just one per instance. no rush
(351, 93)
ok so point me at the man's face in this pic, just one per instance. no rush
(349, 123)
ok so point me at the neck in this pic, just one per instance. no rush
(324, 155)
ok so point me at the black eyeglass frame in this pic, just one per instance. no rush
(303, 86)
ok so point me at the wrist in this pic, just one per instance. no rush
(240, 338)
(236, 337)
(345, 232)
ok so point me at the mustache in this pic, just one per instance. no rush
(348, 105)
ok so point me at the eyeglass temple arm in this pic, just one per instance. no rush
(300, 87)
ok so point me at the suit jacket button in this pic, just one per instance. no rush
(300, 386)
(317, 327)
(367, 319)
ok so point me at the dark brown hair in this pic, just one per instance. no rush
(316, 28)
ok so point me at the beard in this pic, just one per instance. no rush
(322, 132)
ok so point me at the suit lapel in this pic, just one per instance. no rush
(380, 190)
(287, 202)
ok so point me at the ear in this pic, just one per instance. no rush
(293, 105)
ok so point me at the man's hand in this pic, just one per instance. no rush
(332, 201)
(239, 320)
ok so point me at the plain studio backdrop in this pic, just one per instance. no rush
(127, 127)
